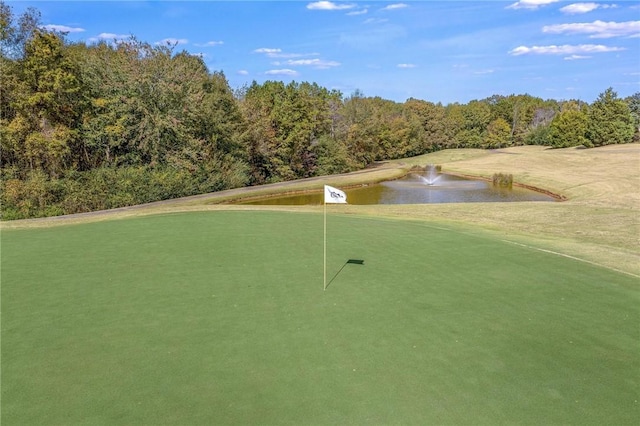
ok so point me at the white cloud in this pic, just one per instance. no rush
(277, 53)
(597, 29)
(210, 44)
(395, 6)
(566, 49)
(481, 72)
(285, 71)
(171, 41)
(243, 72)
(578, 8)
(406, 65)
(270, 52)
(109, 36)
(576, 57)
(291, 55)
(530, 4)
(63, 28)
(267, 50)
(329, 5)
(318, 63)
(358, 12)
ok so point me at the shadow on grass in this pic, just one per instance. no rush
(350, 261)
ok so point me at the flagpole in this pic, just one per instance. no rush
(324, 286)
(331, 195)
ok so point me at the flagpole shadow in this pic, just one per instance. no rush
(350, 261)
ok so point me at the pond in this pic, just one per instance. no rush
(418, 188)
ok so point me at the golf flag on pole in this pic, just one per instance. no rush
(334, 195)
(331, 196)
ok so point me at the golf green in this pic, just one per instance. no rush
(221, 318)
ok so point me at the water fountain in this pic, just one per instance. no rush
(431, 175)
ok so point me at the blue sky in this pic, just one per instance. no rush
(440, 51)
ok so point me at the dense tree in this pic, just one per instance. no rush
(43, 131)
(96, 126)
(569, 128)
(285, 122)
(634, 106)
(521, 112)
(331, 156)
(498, 134)
(539, 135)
(453, 125)
(469, 123)
(539, 128)
(357, 129)
(610, 120)
(432, 118)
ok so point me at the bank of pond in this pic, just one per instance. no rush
(417, 188)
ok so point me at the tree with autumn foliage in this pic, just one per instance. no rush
(97, 126)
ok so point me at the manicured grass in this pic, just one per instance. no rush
(220, 318)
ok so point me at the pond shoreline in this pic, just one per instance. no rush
(254, 198)
(558, 197)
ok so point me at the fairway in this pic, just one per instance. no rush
(220, 318)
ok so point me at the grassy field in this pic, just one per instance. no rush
(194, 312)
(220, 318)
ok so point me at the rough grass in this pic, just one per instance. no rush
(220, 318)
(600, 221)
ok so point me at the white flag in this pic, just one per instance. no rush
(333, 195)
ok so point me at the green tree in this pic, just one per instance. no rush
(454, 124)
(396, 130)
(634, 106)
(46, 101)
(539, 136)
(569, 128)
(284, 123)
(432, 118)
(538, 133)
(610, 120)
(358, 130)
(498, 134)
(331, 156)
(151, 106)
(519, 111)
(468, 123)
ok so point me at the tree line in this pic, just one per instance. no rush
(95, 126)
